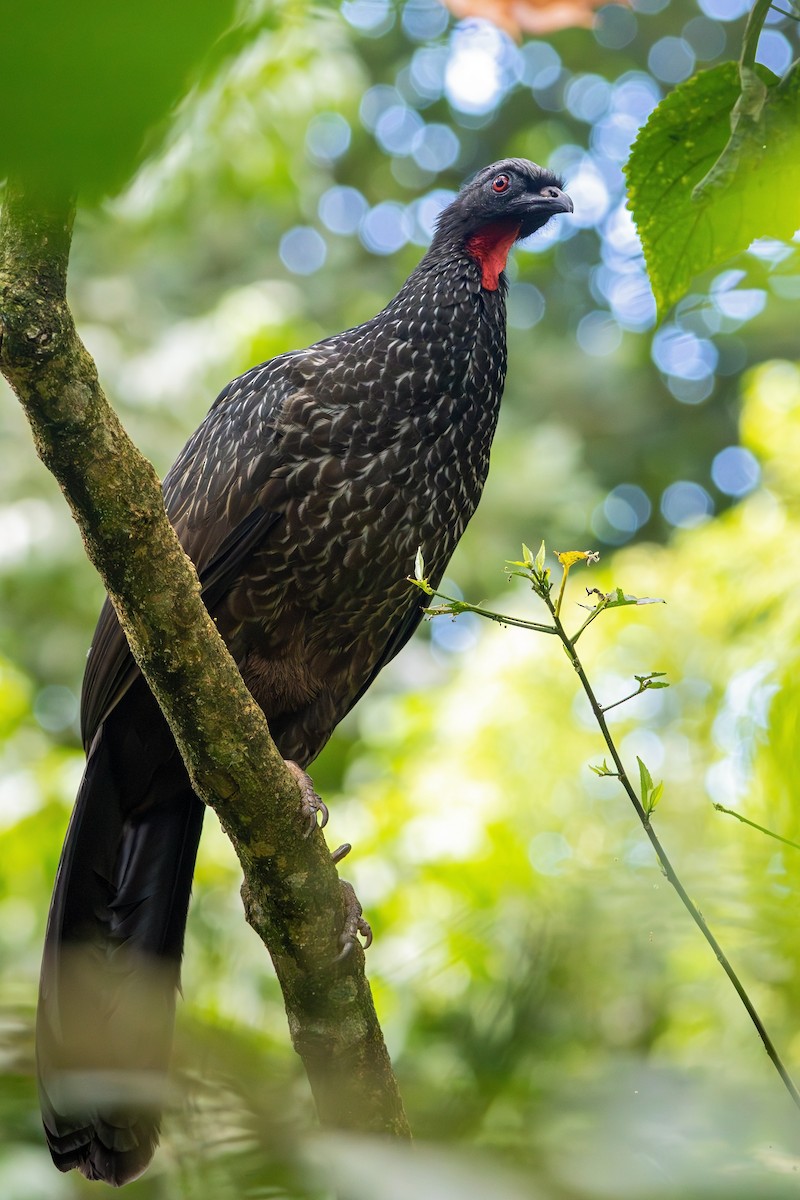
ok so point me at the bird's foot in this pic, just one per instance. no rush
(310, 802)
(354, 921)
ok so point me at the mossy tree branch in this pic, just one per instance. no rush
(291, 890)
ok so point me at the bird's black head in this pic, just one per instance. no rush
(504, 202)
(513, 192)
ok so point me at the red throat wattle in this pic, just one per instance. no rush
(489, 247)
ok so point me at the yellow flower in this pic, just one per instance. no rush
(568, 558)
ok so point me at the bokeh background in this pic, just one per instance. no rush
(558, 1026)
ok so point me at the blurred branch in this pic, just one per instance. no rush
(536, 17)
(291, 891)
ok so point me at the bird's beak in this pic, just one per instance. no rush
(557, 200)
(541, 206)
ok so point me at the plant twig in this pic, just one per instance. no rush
(754, 825)
(616, 703)
(646, 683)
(785, 12)
(539, 577)
(669, 870)
(453, 607)
(747, 112)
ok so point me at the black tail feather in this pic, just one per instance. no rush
(112, 956)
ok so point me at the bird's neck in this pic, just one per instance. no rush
(489, 247)
(446, 298)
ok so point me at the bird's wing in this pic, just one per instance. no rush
(212, 496)
(110, 670)
(395, 644)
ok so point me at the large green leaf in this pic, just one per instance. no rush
(679, 144)
(82, 82)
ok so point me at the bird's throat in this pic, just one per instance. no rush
(489, 247)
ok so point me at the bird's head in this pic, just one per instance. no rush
(504, 202)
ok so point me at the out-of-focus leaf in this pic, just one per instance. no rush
(528, 16)
(82, 83)
(365, 1168)
(14, 697)
(681, 141)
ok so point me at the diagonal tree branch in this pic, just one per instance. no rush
(291, 891)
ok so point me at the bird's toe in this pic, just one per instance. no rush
(311, 803)
(355, 923)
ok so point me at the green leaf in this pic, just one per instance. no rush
(620, 599)
(603, 770)
(82, 84)
(650, 793)
(654, 679)
(655, 796)
(540, 557)
(419, 564)
(681, 141)
(527, 555)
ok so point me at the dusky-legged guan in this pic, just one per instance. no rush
(302, 499)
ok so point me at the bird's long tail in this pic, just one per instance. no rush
(112, 962)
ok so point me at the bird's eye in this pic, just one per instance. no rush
(501, 183)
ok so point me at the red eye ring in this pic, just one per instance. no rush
(501, 183)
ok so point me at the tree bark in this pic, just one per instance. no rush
(291, 890)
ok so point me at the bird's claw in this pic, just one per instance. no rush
(310, 802)
(354, 924)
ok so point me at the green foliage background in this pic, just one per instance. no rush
(558, 1027)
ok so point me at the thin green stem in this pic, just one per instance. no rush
(747, 112)
(607, 707)
(593, 615)
(564, 574)
(754, 825)
(455, 607)
(785, 13)
(752, 32)
(542, 589)
(667, 866)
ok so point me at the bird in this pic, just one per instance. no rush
(302, 499)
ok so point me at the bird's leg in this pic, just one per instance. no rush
(310, 802)
(354, 921)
